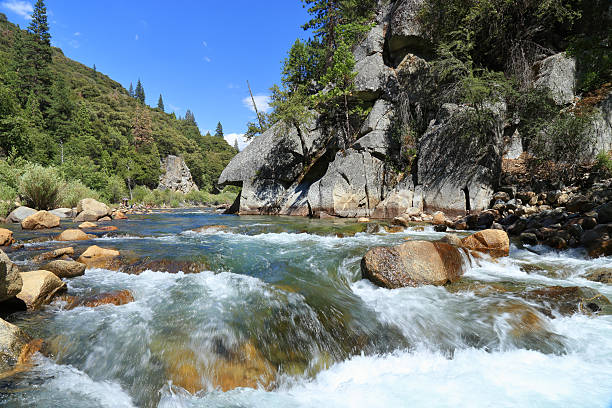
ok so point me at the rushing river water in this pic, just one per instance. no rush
(280, 302)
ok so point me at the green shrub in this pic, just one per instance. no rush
(7, 199)
(604, 162)
(74, 192)
(10, 171)
(115, 189)
(41, 187)
(142, 195)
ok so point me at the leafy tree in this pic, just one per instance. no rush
(160, 104)
(219, 130)
(141, 128)
(139, 93)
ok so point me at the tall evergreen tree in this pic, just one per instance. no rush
(139, 92)
(190, 117)
(160, 104)
(39, 26)
(131, 91)
(219, 130)
(236, 145)
(95, 70)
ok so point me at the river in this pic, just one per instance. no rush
(280, 304)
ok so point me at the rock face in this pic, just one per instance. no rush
(405, 31)
(492, 241)
(19, 214)
(176, 176)
(39, 287)
(40, 220)
(6, 237)
(455, 173)
(557, 74)
(10, 280)
(601, 129)
(12, 342)
(413, 263)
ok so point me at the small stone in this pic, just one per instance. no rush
(528, 238)
(439, 218)
(87, 225)
(73, 235)
(363, 220)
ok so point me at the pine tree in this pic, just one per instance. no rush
(219, 130)
(160, 104)
(190, 117)
(95, 70)
(131, 91)
(236, 145)
(139, 92)
(39, 26)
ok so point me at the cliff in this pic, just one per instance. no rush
(311, 174)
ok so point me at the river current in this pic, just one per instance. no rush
(280, 304)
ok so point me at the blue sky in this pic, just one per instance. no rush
(197, 54)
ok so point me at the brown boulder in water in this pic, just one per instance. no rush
(96, 257)
(10, 280)
(117, 298)
(65, 269)
(6, 237)
(72, 235)
(12, 342)
(492, 241)
(39, 287)
(45, 256)
(40, 220)
(413, 263)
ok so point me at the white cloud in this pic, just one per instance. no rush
(20, 7)
(262, 102)
(232, 85)
(231, 139)
(74, 43)
(77, 34)
(204, 43)
(175, 109)
(136, 37)
(207, 59)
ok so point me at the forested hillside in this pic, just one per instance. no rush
(57, 112)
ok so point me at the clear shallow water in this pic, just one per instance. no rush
(290, 291)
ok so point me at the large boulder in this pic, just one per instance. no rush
(72, 235)
(40, 220)
(176, 176)
(601, 127)
(39, 287)
(96, 257)
(57, 253)
(19, 214)
(557, 74)
(492, 241)
(458, 172)
(65, 269)
(12, 342)
(86, 216)
(6, 237)
(94, 207)
(413, 263)
(405, 30)
(10, 280)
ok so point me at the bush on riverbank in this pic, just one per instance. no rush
(45, 188)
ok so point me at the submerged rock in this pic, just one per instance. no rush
(494, 242)
(10, 280)
(570, 300)
(413, 263)
(117, 298)
(39, 287)
(40, 220)
(600, 275)
(12, 342)
(163, 265)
